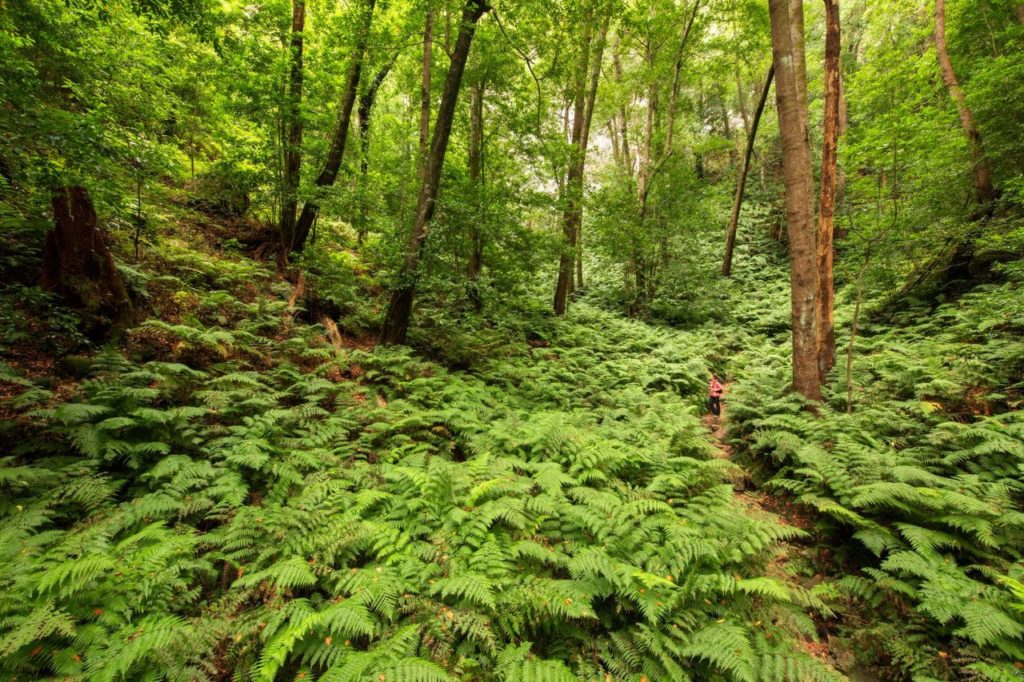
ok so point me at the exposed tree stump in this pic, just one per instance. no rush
(77, 264)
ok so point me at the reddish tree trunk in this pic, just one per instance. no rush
(825, 323)
(396, 321)
(77, 263)
(799, 197)
(329, 173)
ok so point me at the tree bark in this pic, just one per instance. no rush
(396, 321)
(365, 115)
(329, 172)
(595, 79)
(585, 94)
(476, 153)
(730, 238)
(825, 322)
(293, 115)
(799, 197)
(425, 76)
(983, 189)
(78, 266)
(574, 178)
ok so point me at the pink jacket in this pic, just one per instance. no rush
(715, 388)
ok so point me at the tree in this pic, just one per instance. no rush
(982, 171)
(365, 115)
(77, 263)
(293, 124)
(396, 320)
(329, 173)
(476, 181)
(799, 193)
(741, 183)
(825, 324)
(583, 109)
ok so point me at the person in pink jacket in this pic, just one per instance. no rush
(715, 389)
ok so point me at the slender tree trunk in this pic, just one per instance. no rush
(476, 152)
(396, 321)
(730, 238)
(425, 76)
(741, 95)
(595, 79)
(574, 178)
(329, 173)
(825, 322)
(799, 198)
(293, 116)
(365, 113)
(983, 189)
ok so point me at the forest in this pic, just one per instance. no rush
(512, 340)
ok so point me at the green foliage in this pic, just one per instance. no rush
(924, 472)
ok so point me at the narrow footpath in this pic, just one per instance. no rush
(792, 554)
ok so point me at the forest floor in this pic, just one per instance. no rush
(764, 504)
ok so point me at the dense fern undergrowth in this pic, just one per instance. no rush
(916, 485)
(222, 494)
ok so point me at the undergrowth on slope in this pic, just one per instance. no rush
(923, 470)
(224, 495)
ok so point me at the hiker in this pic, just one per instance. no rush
(715, 389)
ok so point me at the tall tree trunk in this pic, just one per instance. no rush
(799, 198)
(293, 118)
(730, 238)
(574, 178)
(825, 322)
(329, 173)
(425, 76)
(476, 181)
(796, 36)
(396, 321)
(741, 95)
(572, 218)
(365, 114)
(77, 264)
(595, 79)
(983, 189)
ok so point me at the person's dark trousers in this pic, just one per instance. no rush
(715, 405)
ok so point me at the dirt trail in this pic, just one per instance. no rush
(762, 503)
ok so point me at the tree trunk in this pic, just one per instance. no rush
(293, 117)
(396, 321)
(583, 111)
(825, 322)
(329, 173)
(574, 178)
(425, 71)
(730, 239)
(78, 266)
(365, 114)
(796, 35)
(476, 153)
(983, 189)
(595, 79)
(799, 198)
